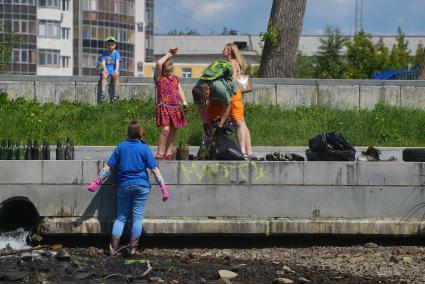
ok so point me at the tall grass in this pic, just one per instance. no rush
(269, 126)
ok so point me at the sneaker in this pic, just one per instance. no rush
(115, 97)
(102, 96)
(253, 157)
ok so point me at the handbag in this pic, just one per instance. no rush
(244, 83)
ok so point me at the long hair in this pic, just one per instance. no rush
(135, 131)
(168, 64)
(238, 56)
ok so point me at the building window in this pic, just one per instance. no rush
(65, 5)
(89, 5)
(20, 26)
(65, 33)
(186, 72)
(49, 29)
(48, 57)
(140, 66)
(20, 55)
(65, 61)
(18, 2)
(55, 4)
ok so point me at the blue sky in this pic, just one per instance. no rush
(380, 17)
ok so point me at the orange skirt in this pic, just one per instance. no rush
(215, 108)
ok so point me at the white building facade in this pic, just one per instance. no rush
(54, 39)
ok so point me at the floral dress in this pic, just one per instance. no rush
(168, 112)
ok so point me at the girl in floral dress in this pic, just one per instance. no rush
(169, 95)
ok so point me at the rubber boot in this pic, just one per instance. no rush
(113, 246)
(133, 246)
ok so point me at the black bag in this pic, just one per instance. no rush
(221, 147)
(330, 146)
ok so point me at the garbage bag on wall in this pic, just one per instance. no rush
(330, 146)
(222, 147)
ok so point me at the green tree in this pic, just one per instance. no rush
(382, 56)
(361, 56)
(419, 54)
(8, 41)
(305, 66)
(186, 32)
(330, 57)
(227, 31)
(400, 53)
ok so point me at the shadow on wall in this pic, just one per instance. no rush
(104, 204)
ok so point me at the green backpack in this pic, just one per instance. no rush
(217, 69)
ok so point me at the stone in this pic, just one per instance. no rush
(226, 274)
(174, 282)
(286, 269)
(83, 275)
(303, 280)
(371, 245)
(397, 274)
(282, 280)
(63, 255)
(202, 280)
(46, 253)
(156, 280)
(407, 259)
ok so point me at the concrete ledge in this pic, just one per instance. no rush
(287, 93)
(227, 226)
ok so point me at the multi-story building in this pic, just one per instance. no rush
(54, 41)
(22, 17)
(65, 37)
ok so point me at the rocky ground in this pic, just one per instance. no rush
(368, 263)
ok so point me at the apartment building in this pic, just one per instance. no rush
(65, 37)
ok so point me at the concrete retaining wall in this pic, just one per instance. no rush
(210, 197)
(288, 93)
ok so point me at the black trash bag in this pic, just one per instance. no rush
(330, 146)
(221, 147)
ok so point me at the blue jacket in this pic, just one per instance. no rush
(131, 159)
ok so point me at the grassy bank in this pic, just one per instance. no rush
(106, 124)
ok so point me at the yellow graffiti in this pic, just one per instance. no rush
(260, 172)
(204, 171)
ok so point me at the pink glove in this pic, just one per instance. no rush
(165, 193)
(94, 184)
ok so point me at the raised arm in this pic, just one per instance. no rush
(161, 61)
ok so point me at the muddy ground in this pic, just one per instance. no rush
(189, 262)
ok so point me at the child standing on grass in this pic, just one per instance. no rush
(131, 159)
(169, 95)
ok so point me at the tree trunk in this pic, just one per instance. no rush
(421, 73)
(279, 57)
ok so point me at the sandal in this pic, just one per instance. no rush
(158, 156)
(168, 157)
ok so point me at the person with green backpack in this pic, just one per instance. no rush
(217, 95)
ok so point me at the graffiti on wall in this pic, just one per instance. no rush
(237, 172)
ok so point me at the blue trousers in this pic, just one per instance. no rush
(132, 197)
